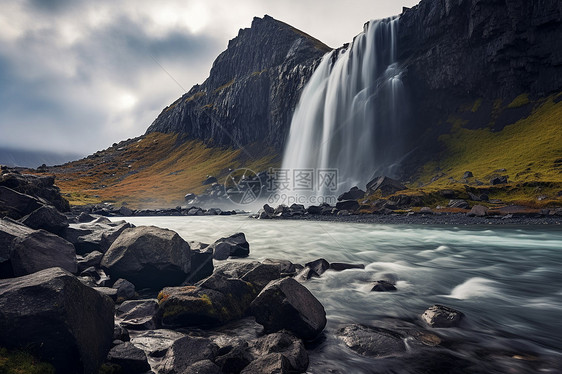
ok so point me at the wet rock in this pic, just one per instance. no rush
(340, 266)
(138, 314)
(353, 194)
(458, 203)
(16, 205)
(372, 341)
(268, 209)
(383, 286)
(201, 264)
(318, 266)
(288, 346)
(107, 291)
(129, 358)
(125, 289)
(52, 315)
(499, 180)
(205, 367)
(478, 211)
(313, 209)
(148, 257)
(39, 187)
(386, 185)
(91, 259)
(119, 333)
(286, 304)
(233, 246)
(442, 316)
(185, 352)
(261, 275)
(42, 250)
(286, 267)
(47, 218)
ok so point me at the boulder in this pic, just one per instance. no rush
(340, 266)
(41, 187)
(124, 211)
(155, 343)
(372, 341)
(426, 210)
(349, 205)
(261, 275)
(210, 180)
(478, 211)
(125, 289)
(47, 218)
(383, 286)
(148, 257)
(214, 301)
(286, 304)
(84, 217)
(286, 267)
(235, 245)
(55, 317)
(233, 354)
(386, 185)
(42, 250)
(467, 174)
(201, 264)
(353, 194)
(442, 316)
(129, 358)
(314, 209)
(16, 205)
(290, 347)
(319, 266)
(95, 236)
(137, 314)
(91, 259)
(186, 352)
(9, 230)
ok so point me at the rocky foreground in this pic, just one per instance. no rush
(86, 295)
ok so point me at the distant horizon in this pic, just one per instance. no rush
(101, 74)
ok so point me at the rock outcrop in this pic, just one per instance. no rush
(54, 316)
(252, 89)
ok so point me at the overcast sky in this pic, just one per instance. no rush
(78, 75)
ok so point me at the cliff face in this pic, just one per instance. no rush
(481, 48)
(252, 89)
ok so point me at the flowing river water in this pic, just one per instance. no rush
(506, 280)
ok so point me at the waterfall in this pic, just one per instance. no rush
(351, 112)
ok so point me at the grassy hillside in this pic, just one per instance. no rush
(155, 170)
(481, 139)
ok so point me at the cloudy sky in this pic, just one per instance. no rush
(78, 75)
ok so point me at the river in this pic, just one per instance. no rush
(507, 280)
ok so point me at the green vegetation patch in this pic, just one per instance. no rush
(18, 362)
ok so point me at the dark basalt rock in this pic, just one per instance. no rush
(383, 286)
(499, 180)
(95, 236)
(386, 185)
(129, 358)
(16, 205)
(478, 211)
(442, 316)
(353, 194)
(458, 203)
(58, 319)
(201, 263)
(318, 266)
(257, 81)
(186, 352)
(42, 250)
(372, 341)
(290, 347)
(47, 218)
(40, 187)
(125, 289)
(340, 266)
(286, 304)
(235, 245)
(348, 205)
(148, 257)
(138, 314)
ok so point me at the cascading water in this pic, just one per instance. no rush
(351, 113)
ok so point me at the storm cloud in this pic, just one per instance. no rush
(76, 76)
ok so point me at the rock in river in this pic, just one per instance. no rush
(286, 304)
(235, 245)
(442, 316)
(148, 257)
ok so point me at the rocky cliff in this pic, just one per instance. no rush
(251, 91)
